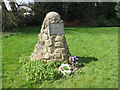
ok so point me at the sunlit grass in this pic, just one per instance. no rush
(97, 48)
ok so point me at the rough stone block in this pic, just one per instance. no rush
(44, 36)
(50, 49)
(47, 56)
(46, 31)
(58, 44)
(57, 55)
(64, 57)
(45, 49)
(58, 38)
(60, 50)
(48, 42)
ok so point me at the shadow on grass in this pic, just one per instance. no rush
(86, 60)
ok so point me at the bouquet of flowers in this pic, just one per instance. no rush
(70, 66)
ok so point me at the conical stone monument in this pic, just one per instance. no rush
(52, 43)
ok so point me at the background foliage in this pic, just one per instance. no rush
(73, 14)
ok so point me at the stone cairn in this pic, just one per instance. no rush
(52, 43)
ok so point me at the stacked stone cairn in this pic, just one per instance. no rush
(50, 46)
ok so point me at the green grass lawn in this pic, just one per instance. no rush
(97, 48)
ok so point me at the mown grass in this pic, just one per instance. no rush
(97, 48)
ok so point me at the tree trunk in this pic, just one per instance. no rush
(4, 8)
(14, 8)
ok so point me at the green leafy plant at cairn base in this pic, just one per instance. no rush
(39, 71)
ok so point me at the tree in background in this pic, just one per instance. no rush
(84, 12)
(117, 8)
(87, 13)
(8, 18)
(11, 18)
(42, 8)
(14, 18)
(68, 11)
(106, 14)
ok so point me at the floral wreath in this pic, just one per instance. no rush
(70, 66)
(65, 69)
